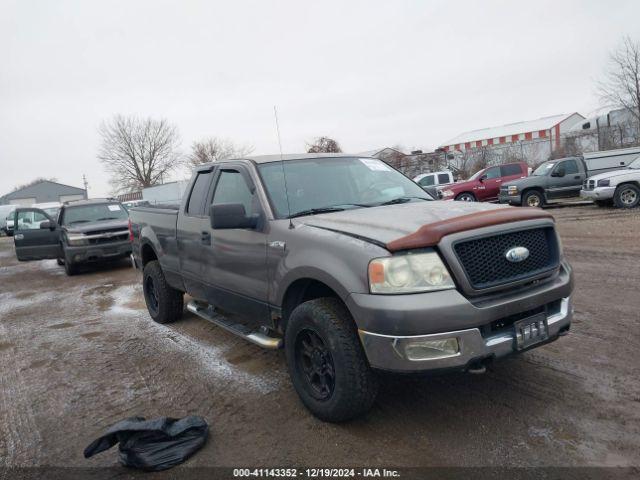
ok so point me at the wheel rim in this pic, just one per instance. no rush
(151, 294)
(315, 364)
(628, 196)
(466, 198)
(533, 201)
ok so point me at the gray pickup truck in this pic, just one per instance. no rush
(352, 268)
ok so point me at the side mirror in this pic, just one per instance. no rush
(559, 172)
(47, 225)
(231, 215)
(482, 178)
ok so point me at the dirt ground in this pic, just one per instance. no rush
(77, 354)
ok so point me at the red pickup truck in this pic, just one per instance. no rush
(484, 185)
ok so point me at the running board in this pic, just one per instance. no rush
(259, 338)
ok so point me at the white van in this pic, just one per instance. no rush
(6, 215)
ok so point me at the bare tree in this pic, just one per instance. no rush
(138, 153)
(214, 149)
(324, 145)
(621, 85)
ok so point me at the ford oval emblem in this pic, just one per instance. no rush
(517, 254)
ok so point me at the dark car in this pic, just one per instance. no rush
(484, 185)
(85, 231)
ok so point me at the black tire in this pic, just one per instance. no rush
(466, 197)
(533, 198)
(59, 261)
(70, 268)
(353, 387)
(164, 303)
(627, 196)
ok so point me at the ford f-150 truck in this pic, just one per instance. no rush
(352, 268)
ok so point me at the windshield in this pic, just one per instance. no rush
(342, 183)
(543, 169)
(635, 164)
(94, 213)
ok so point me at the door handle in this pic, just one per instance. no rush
(205, 238)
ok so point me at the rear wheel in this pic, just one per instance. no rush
(466, 197)
(533, 198)
(326, 362)
(164, 303)
(627, 196)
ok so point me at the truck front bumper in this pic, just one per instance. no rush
(99, 252)
(598, 193)
(390, 326)
(388, 352)
(510, 199)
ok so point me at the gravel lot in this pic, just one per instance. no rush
(78, 354)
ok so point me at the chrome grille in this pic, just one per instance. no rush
(485, 263)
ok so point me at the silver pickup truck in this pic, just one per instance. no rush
(352, 268)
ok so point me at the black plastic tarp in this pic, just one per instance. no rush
(155, 444)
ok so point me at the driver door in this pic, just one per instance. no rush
(489, 184)
(36, 235)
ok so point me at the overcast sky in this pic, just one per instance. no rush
(369, 74)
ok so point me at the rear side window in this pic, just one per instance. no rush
(426, 181)
(198, 194)
(443, 178)
(509, 170)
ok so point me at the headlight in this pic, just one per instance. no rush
(447, 193)
(512, 189)
(605, 182)
(409, 273)
(77, 239)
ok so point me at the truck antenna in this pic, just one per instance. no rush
(284, 173)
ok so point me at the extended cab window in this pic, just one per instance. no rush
(198, 194)
(233, 188)
(509, 170)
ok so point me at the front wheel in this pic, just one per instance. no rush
(533, 199)
(466, 197)
(164, 303)
(326, 362)
(627, 196)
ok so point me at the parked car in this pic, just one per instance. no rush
(484, 185)
(618, 187)
(6, 214)
(563, 178)
(85, 231)
(352, 268)
(431, 181)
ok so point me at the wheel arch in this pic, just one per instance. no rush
(147, 253)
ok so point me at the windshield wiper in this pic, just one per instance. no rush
(315, 211)
(395, 201)
(107, 218)
(79, 221)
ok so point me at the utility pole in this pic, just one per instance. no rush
(86, 186)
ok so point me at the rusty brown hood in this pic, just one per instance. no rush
(419, 224)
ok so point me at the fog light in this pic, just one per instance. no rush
(431, 349)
